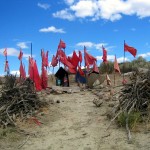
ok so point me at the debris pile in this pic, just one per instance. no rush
(17, 100)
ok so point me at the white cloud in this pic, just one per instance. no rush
(84, 8)
(144, 55)
(97, 46)
(13, 52)
(112, 57)
(52, 29)
(15, 72)
(44, 5)
(104, 9)
(22, 45)
(121, 59)
(64, 14)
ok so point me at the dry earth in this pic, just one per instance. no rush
(77, 124)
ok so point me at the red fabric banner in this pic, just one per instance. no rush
(130, 49)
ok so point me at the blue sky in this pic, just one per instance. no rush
(92, 23)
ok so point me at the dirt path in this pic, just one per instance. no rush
(76, 124)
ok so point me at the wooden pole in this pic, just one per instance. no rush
(123, 62)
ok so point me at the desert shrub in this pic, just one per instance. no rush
(133, 119)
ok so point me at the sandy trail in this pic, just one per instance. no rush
(76, 124)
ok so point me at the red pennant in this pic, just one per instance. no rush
(130, 49)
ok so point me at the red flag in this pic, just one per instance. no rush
(62, 44)
(20, 55)
(5, 52)
(72, 70)
(54, 61)
(80, 57)
(104, 55)
(6, 67)
(130, 49)
(44, 78)
(116, 66)
(44, 58)
(89, 59)
(36, 77)
(75, 59)
(22, 71)
(80, 71)
(95, 68)
(31, 69)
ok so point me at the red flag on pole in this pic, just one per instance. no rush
(5, 52)
(20, 55)
(116, 66)
(62, 44)
(130, 49)
(104, 55)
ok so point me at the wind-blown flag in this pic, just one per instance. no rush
(5, 52)
(61, 45)
(116, 66)
(80, 57)
(20, 55)
(130, 49)
(89, 59)
(104, 55)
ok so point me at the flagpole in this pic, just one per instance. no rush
(114, 73)
(31, 50)
(124, 62)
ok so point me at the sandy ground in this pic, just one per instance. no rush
(77, 124)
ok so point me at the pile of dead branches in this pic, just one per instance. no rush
(136, 95)
(17, 100)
